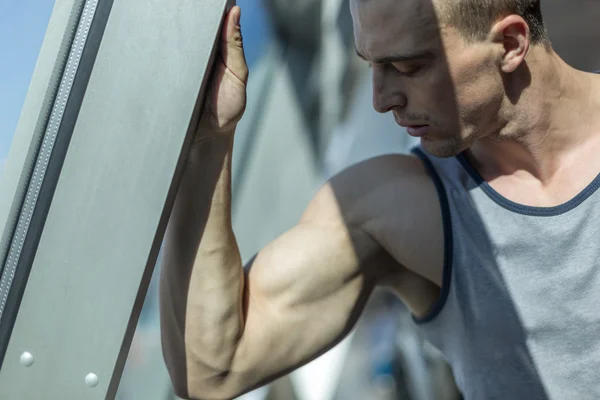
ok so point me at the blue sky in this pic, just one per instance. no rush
(22, 28)
(23, 25)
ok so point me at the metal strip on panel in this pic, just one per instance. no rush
(45, 151)
(34, 117)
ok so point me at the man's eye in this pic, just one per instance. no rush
(402, 69)
(408, 72)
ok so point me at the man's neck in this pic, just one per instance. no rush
(550, 119)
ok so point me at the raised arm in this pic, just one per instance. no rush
(226, 331)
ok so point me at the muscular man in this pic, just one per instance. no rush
(489, 233)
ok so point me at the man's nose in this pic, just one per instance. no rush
(386, 92)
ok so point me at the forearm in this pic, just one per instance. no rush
(202, 276)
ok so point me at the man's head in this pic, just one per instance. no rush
(454, 65)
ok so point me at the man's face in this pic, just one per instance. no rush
(428, 75)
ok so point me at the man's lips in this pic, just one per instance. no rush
(417, 131)
(406, 124)
(414, 129)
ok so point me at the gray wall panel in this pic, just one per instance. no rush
(109, 210)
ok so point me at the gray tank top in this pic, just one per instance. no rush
(519, 311)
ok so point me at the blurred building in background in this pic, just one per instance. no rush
(309, 116)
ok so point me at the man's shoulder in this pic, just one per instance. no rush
(388, 184)
(395, 201)
(385, 171)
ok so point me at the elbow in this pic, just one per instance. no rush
(222, 386)
(192, 378)
(185, 391)
(178, 378)
(206, 392)
(180, 390)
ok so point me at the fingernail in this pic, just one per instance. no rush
(236, 17)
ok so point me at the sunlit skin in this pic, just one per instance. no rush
(448, 89)
(524, 118)
(510, 102)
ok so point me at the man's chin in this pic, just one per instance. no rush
(441, 148)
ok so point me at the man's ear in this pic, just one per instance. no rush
(512, 32)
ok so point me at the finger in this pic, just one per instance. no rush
(232, 49)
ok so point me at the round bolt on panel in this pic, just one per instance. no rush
(26, 359)
(91, 379)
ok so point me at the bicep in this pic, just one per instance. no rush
(304, 293)
(306, 290)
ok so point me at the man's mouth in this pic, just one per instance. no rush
(417, 130)
(413, 128)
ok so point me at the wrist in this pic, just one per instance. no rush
(208, 131)
(210, 145)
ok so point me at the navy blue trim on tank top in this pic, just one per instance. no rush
(523, 209)
(448, 243)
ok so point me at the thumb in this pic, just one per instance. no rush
(232, 49)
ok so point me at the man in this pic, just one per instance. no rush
(489, 235)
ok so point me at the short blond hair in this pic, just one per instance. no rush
(474, 18)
